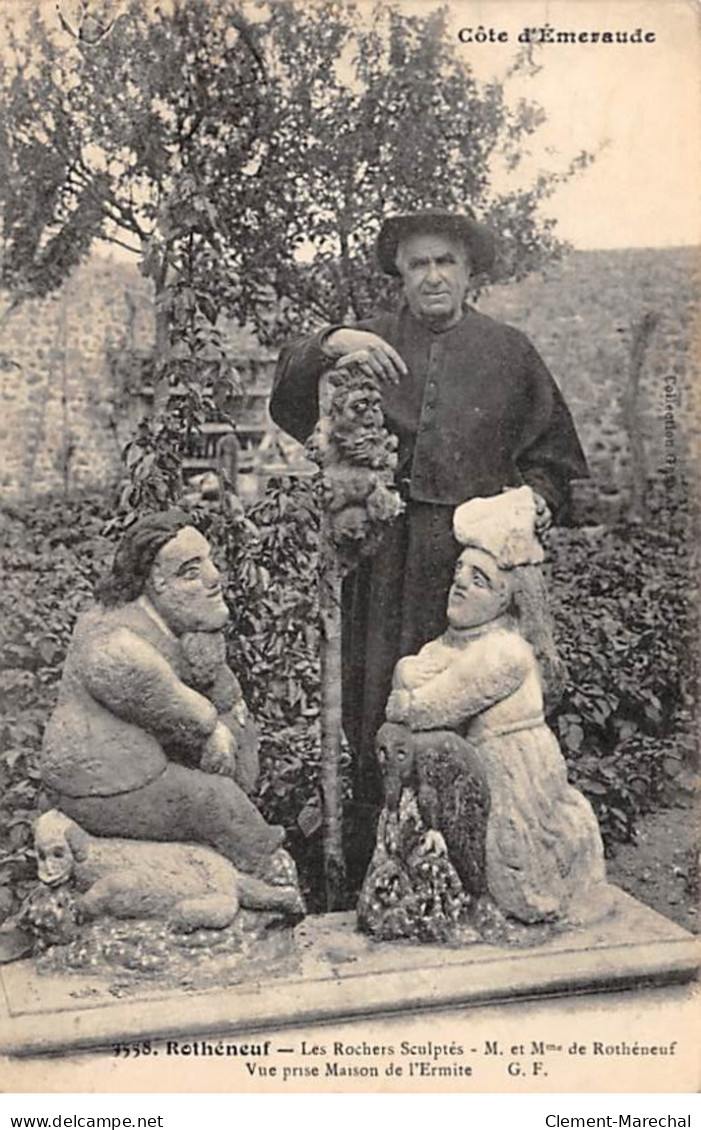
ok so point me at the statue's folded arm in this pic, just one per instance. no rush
(482, 676)
(129, 677)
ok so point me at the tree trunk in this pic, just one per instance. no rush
(161, 389)
(331, 724)
(330, 580)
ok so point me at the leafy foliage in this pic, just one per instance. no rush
(627, 626)
(133, 139)
(372, 116)
(50, 557)
(271, 559)
(117, 126)
(272, 142)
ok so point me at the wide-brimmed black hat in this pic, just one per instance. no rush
(478, 239)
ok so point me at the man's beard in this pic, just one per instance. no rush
(192, 614)
(205, 654)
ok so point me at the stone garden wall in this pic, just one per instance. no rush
(580, 314)
(63, 419)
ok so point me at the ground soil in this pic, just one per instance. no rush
(661, 866)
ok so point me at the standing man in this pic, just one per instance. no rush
(475, 410)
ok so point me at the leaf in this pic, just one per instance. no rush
(574, 736)
(620, 815)
(209, 307)
(145, 466)
(12, 757)
(309, 819)
(49, 650)
(626, 730)
(597, 788)
(21, 817)
(132, 454)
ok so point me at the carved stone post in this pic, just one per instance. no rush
(357, 457)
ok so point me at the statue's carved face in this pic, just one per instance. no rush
(185, 585)
(480, 590)
(436, 274)
(53, 851)
(362, 407)
(395, 754)
(357, 409)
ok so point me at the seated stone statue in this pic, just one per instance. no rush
(484, 679)
(151, 738)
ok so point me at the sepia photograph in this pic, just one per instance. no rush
(349, 546)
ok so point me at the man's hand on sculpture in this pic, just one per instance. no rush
(370, 353)
(543, 516)
(219, 753)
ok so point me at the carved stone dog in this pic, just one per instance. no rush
(188, 884)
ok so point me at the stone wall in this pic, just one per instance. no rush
(64, 413)
(580, 315)
(63, 420)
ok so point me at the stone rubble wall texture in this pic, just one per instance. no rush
(580, 314)
(63, 421)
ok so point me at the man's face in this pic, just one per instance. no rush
(436, 274)
(185, 585)
(479, 592)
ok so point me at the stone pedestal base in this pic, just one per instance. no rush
(338, 974)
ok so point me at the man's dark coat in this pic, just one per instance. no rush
(477, 412)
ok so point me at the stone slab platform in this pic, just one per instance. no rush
(338, 974)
